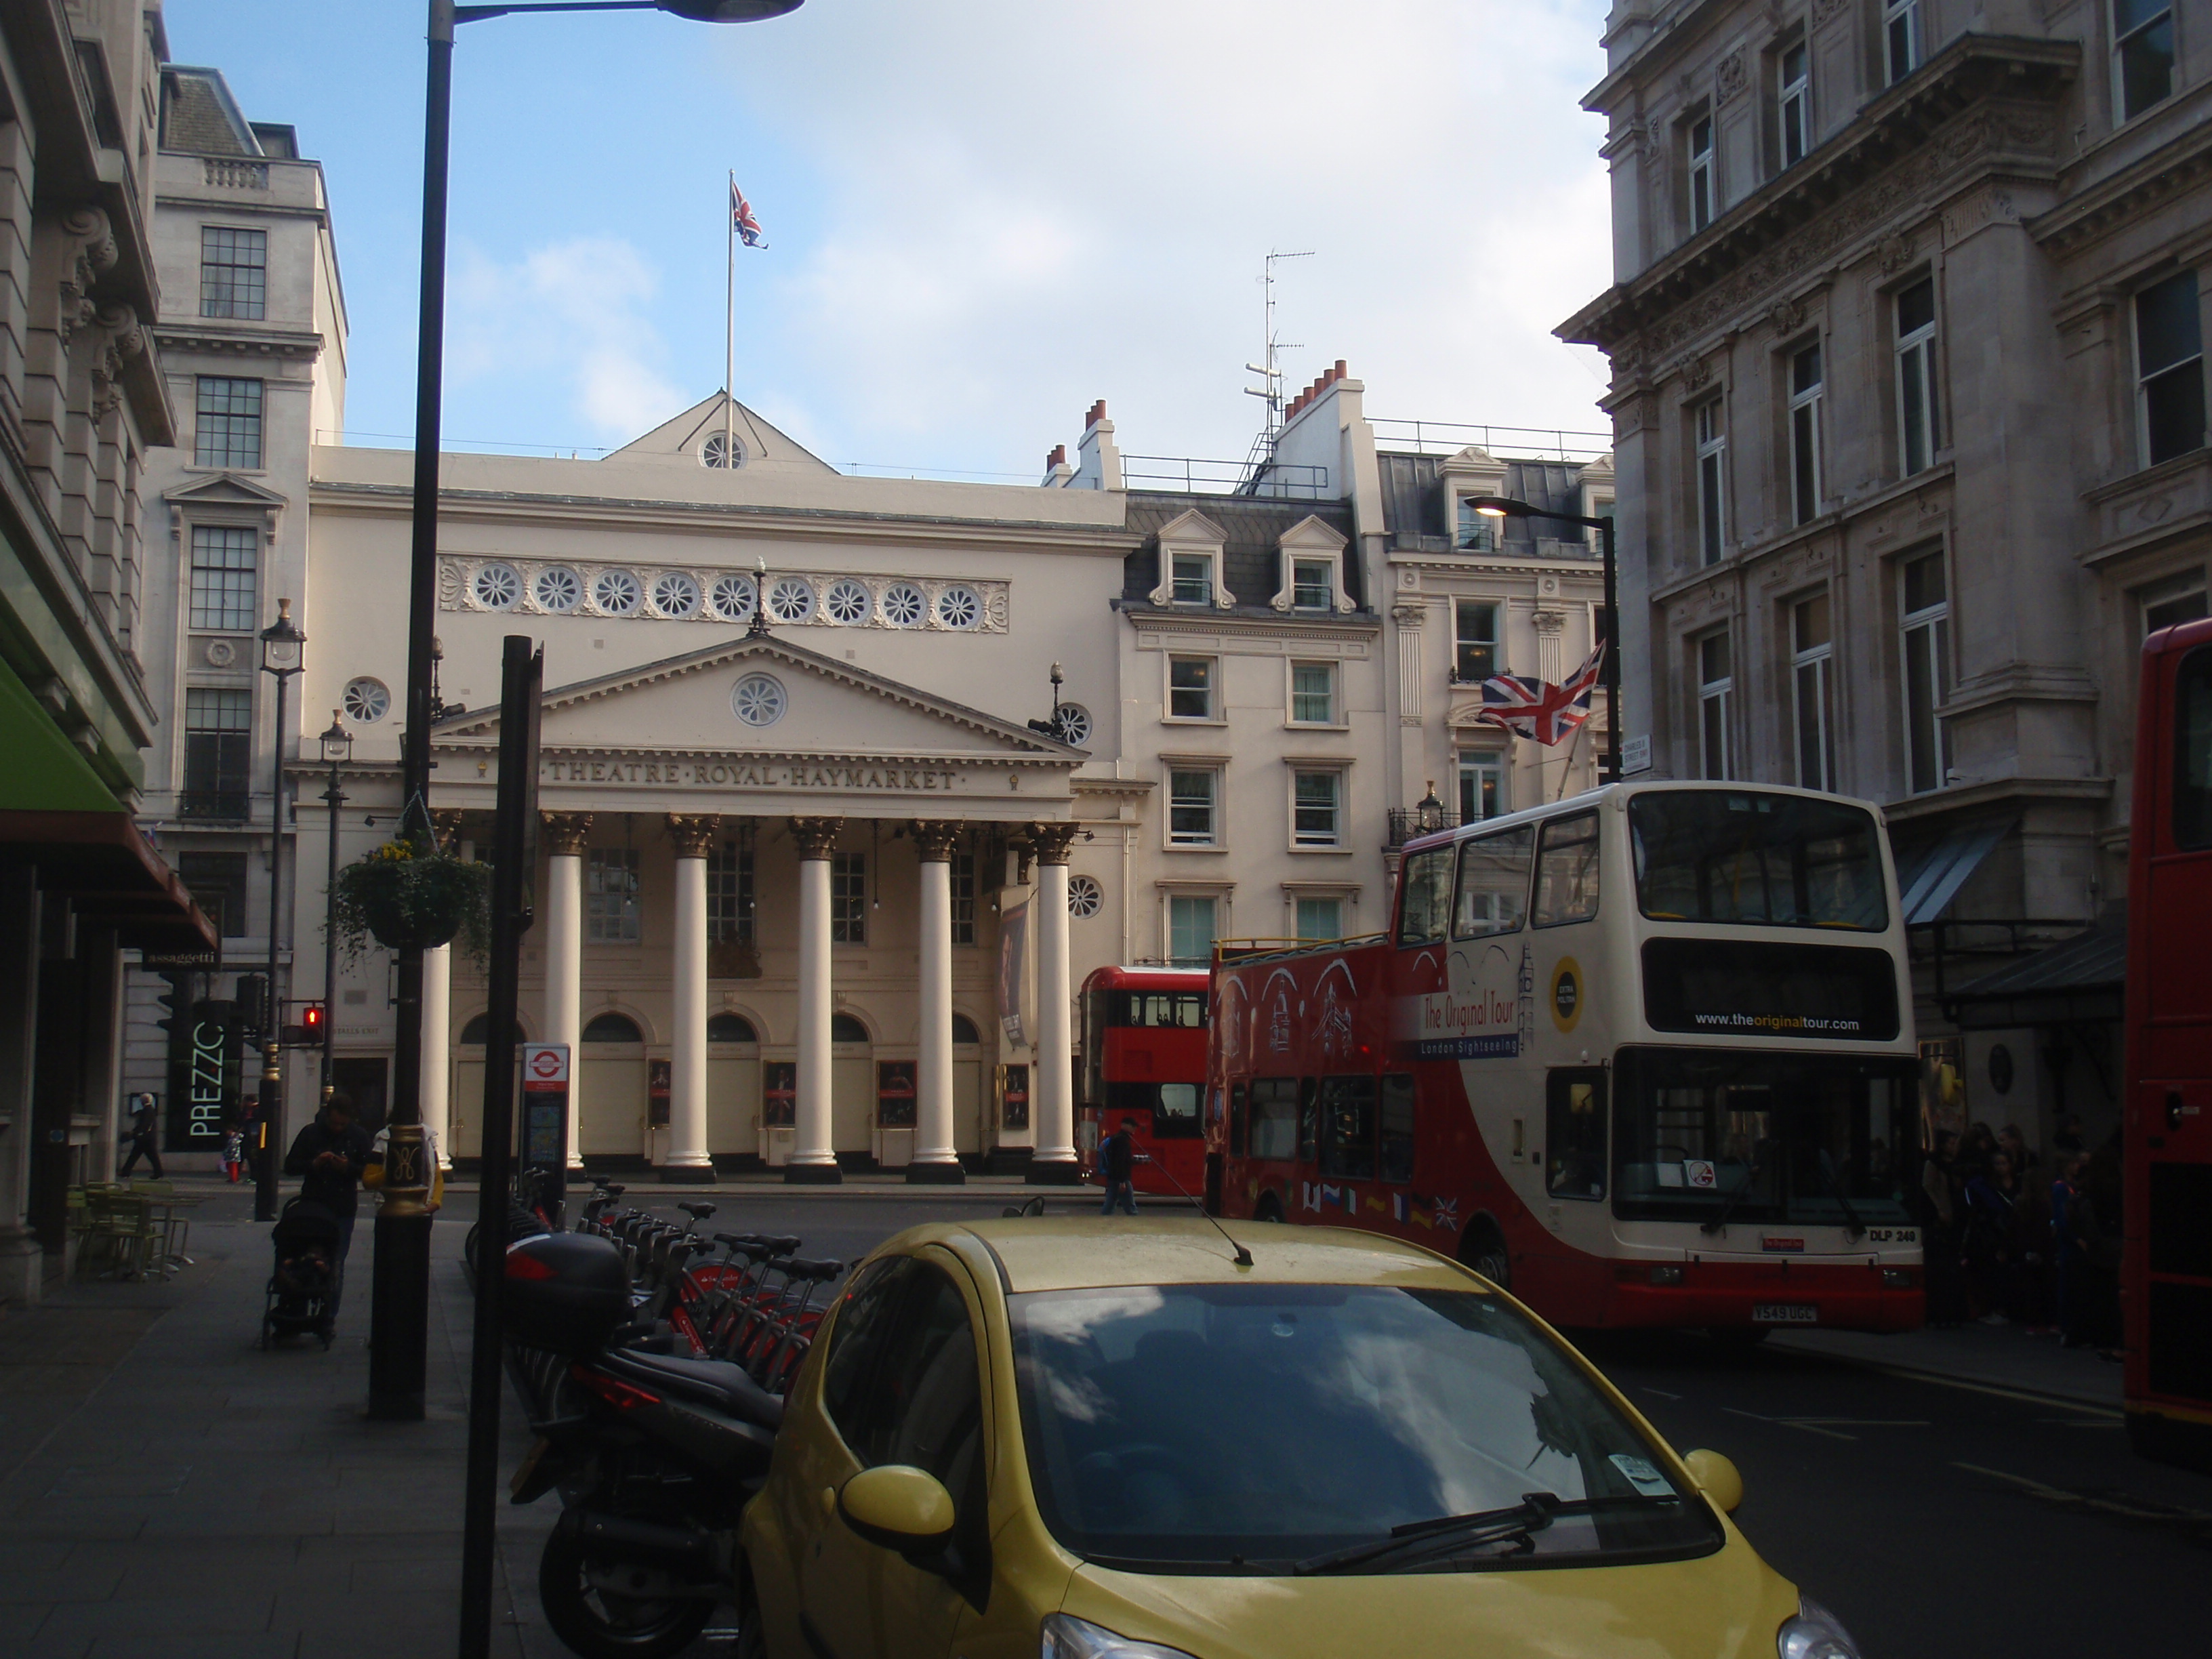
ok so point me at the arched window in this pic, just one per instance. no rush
(843, 1028)
(477, 1032)
(731, 1028)
(963, 1029)
(612, 1028)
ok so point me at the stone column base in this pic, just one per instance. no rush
(22, 1267)
(1055, 1172)
(812, 1175)
(936, 1175)
(687, 1175)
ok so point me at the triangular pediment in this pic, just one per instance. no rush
(1312, 534)
(1192, 528)
(760, 444)
(824, 708)
(225, 489)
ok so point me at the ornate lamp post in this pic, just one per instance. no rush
(337, 749)
(1504, 507)
(399, 1305)
(283, 653)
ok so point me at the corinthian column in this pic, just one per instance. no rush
(1053, 1091)
(565, 834)
(812, 1158)
(934, 1159)
(689, 1161)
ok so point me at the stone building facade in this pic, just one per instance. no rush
(1909, 402)
(83, 404)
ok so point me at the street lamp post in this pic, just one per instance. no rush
(400, 1299)
(283, 649)
(1503, 506)
(337, 749)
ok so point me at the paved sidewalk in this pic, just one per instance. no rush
(1984, 1356)
(168, 1491)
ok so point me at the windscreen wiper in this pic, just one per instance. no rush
(1836, 1187)
(1517, 1523)
(1736, 1198)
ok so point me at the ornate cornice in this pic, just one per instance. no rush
(1984, 100)
(567, 832)
(817, 837)
(935, 839)
(290, 345)
(2112, 202)
(693, 833)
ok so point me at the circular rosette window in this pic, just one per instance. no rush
(1085, 897)
(366, 700)
(958, 607)
(558, 590)
(904, 605)
(617, 593)
(846, 603)
(731, 597)
(676, 594)
(757, 700)
(495, 586)
(790, 599)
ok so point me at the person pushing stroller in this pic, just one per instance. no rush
(329, 1155)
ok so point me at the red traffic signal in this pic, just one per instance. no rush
(311, 1020)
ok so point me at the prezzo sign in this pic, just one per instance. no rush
(207, 1076)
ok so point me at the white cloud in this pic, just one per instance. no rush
(1020, 207)
(575, 314)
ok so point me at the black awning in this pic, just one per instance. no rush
(2082, 978)
(111, 876)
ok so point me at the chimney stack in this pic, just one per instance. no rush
(1057, 458)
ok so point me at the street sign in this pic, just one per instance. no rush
(1636, 754)
(544, 1066)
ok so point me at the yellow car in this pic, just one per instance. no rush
(1088, 1439)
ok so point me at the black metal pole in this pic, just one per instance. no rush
(267, 1171)
(1612, 656)
(521, 673)
(400, 1306)
(333, 798)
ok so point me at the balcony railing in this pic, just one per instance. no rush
(1406, 825)
(1194, 477)
(225, 803)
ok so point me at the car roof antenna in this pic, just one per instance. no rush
(1244, 1256)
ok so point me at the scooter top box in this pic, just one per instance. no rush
(566, 1292)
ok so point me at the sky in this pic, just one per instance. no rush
(982, 215)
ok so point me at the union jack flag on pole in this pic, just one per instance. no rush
(1537, 709)
(742, 220)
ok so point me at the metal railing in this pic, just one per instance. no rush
(1195, 477)
(1405, 823)
(1535, 443)
(231, 804)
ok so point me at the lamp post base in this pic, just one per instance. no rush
(399, 1301)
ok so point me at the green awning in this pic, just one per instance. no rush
(41, 770)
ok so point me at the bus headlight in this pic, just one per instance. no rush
(1814, 1634)
(1064, 1637)
(1896, 1278)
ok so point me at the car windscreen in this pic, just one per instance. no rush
(1245, 1428)
(1738, 855)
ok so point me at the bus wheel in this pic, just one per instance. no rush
(1484, 1251)
(1269, 1208)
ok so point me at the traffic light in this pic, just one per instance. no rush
(311, 1021)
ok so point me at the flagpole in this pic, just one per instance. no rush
(730, 325)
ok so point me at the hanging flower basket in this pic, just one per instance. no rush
(408, 893)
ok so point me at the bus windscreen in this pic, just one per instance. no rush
(1730, 855)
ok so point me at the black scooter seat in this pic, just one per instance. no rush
(712, 1383)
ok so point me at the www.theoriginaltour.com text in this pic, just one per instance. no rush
(1778, 1023)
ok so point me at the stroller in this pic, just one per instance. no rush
(306, 1237)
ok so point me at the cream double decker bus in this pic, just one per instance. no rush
(1646, 1057)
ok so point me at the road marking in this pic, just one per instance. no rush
(2081, 1423)
(1647, 1389)
(1908, 1374)
(2130, 1509)
(1832, 1426)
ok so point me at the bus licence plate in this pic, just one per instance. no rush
(1784, 1313)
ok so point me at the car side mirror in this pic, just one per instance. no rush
(1716, 1477)
(899, 1507)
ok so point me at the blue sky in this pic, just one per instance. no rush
(982, 214)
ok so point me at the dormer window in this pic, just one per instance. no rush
(1312, 586)
(1193, 578)
(1476, 533)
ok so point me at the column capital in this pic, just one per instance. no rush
(1050, 842)
(936, 837)
(693, 833)
(565, 832)
(817, 837)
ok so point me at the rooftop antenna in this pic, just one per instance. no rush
(1268, 369)
(1243, 1257)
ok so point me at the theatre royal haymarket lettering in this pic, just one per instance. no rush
(745, 775)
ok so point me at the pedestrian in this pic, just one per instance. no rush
(1117, 1157)
(145, 1137)
(329, 1155)
(234, 1147)
(2065, 1265)
(1993, 1203)
(2014, 1144)
(2068, 1140)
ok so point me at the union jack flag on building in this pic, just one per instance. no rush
(742, 220)
(1538, 709)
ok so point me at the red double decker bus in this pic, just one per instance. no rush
(1646, 1057)
(1144, 1064)
(2166, 1270)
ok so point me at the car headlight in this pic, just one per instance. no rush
(1815, 1633)
(1064, 1637)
